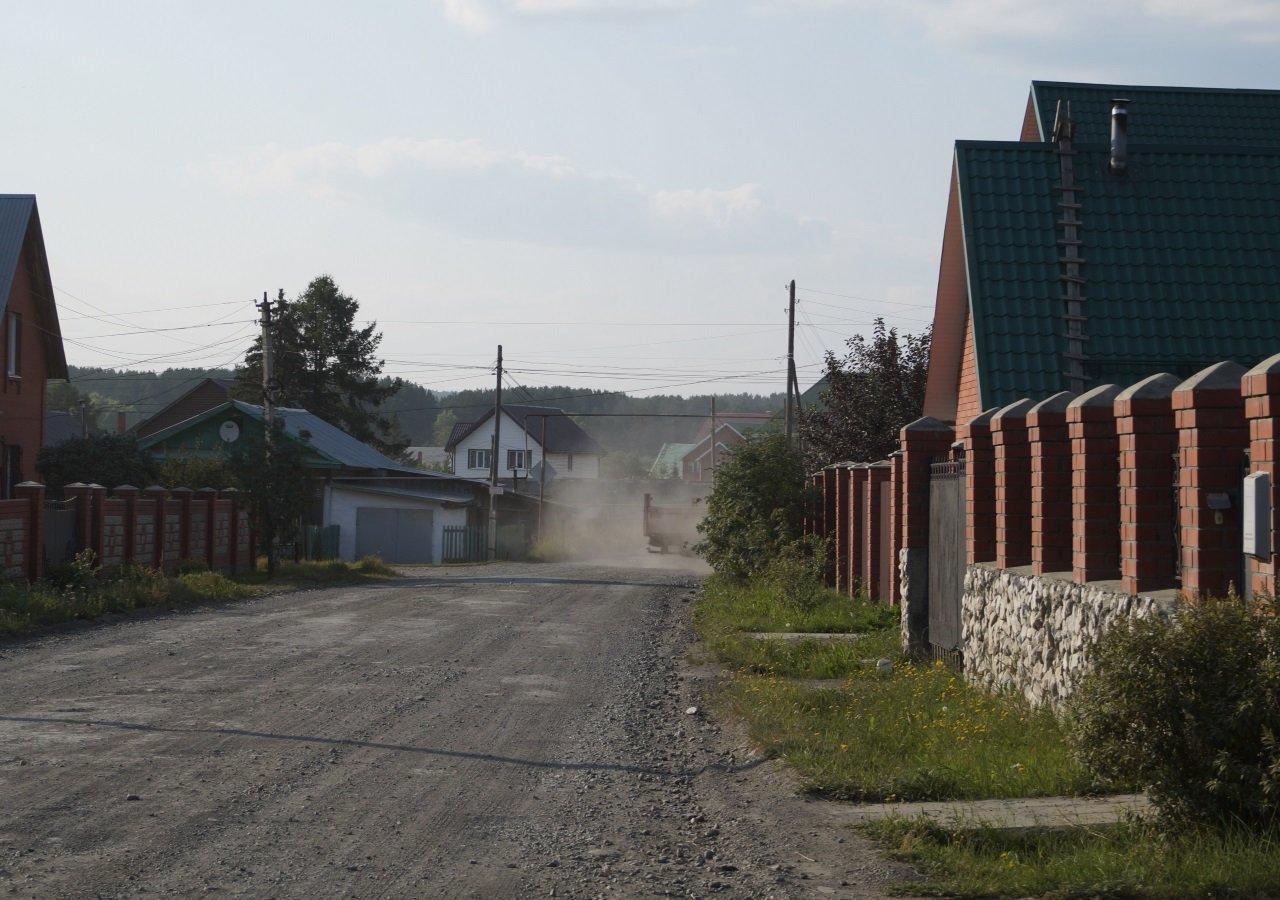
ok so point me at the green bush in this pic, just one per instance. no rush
(796, 573)
(1190, 710)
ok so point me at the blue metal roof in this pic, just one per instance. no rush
(15, 216)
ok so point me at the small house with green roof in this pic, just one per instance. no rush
(1132, 230)
(379, 506)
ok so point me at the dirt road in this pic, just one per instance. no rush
(497, 731)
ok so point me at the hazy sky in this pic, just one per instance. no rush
(615, 190)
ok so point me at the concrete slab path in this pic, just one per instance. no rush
(1029, 812)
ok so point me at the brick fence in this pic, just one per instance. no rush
(1135, 486)
(152, 526)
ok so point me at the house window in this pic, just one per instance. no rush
(569, 462)
(478, 459)
(518, 459)
(13, 346)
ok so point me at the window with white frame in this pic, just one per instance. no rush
(478, 459)
(13, 346)
(518, 459)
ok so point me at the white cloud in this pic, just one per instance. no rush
(980, 21)
(484, 15)
(471, 187)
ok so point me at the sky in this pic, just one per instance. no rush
(615, 191)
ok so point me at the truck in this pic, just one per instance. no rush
(671, 526)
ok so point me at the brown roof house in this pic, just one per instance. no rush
(32, 339)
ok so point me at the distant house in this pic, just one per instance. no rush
(1132, 230)
(434, 458)
(204, 396)
(699, 463)
(380, 506)
(669, 462)
(32, 346)
(569, 452)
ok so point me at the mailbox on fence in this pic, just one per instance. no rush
(1256, 536)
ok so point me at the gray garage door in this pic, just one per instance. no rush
(395, 535)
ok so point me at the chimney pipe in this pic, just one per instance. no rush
(1119, 137)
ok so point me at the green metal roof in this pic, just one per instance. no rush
(1182, 261)
(669, 461)
(1164, 115)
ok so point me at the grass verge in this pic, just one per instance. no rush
(1127, 860)
(919, 733)
(80, 590)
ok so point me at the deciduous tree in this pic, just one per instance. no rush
(871, 393)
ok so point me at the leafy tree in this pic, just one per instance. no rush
(444, 427)
(327, 365)
(195, 472)
(274, 479)
(756, 508)
(107, 459)
(876, 389)
(625, 465)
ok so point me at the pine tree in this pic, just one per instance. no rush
(325, 364)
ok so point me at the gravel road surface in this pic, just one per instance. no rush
(491, 731)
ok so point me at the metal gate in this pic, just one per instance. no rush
(946, 553)
(59, 532)
(395, 535)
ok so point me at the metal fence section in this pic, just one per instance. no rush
(322, 541)
(59, 532)
(946, 553)
(465, 543)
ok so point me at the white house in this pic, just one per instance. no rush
(569, 452)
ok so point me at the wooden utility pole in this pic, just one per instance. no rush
(790, 415)
(268, 367)
(493, 463)
(713, 440)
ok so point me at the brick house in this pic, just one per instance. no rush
(32, 346)
(1136, 237)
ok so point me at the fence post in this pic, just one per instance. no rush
(1095, 488)
(1013, 484)
(1212, 439)
(1261, 390)
(1147, 438)
(979, 489)
(921, 442)
(829, 518)
(97, 520)
(33, 546)
(895, 526)
(876, 577)
(1050, 446)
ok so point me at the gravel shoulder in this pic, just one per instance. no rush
(490, 731)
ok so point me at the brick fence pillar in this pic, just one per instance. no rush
(894, 590)
(1213, 436)
(922, 442)
(129, 494)
(98, 522)
(857, 529)
(157, 497)
(1013, 484)
(33, 543)
(1050, 446)
(1095, 488)
(875, 571)
(1148, 440)
(1260, 388)
(184, 496)
(979, 489)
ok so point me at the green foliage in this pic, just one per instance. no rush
(756, 507)
(443, 427)
(1190, 710)
(81, 590)
(195, 472)
(325, 364)
(625, 465)
(1125, 860)
(273, 478)
(876, 389)
(107, 459)
(797, 572)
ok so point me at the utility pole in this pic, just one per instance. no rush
(268, 362)
(713, 440)
(792, 387)
(493, 463)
